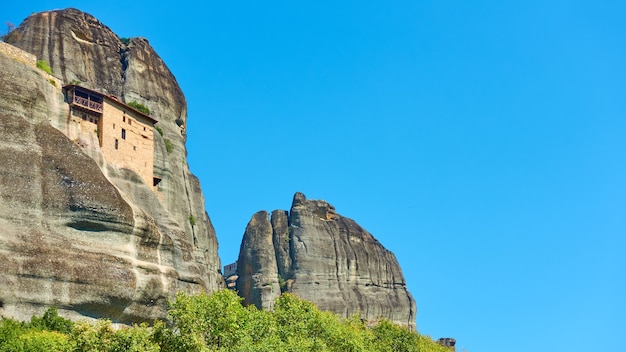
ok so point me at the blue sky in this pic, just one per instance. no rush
(482, 142)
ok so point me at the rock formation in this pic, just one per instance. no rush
(325, 258)
(77, 232)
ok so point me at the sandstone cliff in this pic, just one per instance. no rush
(76, 232)
(325, 258)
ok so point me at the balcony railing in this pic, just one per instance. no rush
(87, 103)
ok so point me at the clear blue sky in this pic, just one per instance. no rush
(483, 142)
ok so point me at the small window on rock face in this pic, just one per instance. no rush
(123, 133)
(113, 126)
(123, 118)
(116, 143)
(134, 148)
(144, 128)
(130, 122)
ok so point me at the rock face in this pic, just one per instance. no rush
(77, 232)
(325, 258)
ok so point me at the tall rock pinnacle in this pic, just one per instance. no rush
(325, 258)
(78, 230)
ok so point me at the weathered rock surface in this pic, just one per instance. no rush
(256, 266)
(75, 232)
(325, 258)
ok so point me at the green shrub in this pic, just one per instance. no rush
(74, 81)
(282, 283)
(44, 66)
(139, 107)
(52, 321)
(9, 330)
(169, 146)
(159, 129)
(192, 220)
(125, 40)
(53, 82)
(49, 341)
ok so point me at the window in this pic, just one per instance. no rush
(134, 148)
(144, 128)
(130, 122)
(123, 118)
(113, 126)
(123, 133)
(116, 143)
(84, 117)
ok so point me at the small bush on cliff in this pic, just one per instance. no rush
(159, 129)
(139, 107)
(44, 66)
(169, 146)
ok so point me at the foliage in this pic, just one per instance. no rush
(192, 220)
(34, 340)
(9, 330)
(139, 107)
(44, 66)
(125, 40)
(52, 321)
(169, 146)
(74, 81)
(282, 283)
(103, 337)
(53, 82)
(216, 322)
(159, 129)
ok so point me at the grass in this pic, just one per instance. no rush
(169, 146)
(44, 66)
(139, 107)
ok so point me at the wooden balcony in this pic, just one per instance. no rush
(87, 103)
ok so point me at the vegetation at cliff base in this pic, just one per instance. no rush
(216, 322)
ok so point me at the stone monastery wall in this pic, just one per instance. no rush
(18, 54)
(127, 140)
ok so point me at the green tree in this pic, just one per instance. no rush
(215, 320)
(9, 330)
(52, 321)
(36, 341)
